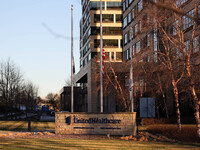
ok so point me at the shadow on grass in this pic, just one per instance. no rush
(23, 126)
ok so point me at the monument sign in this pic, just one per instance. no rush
(99, 123)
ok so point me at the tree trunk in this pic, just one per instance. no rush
(163, 95)
(195, 98)
(175, 90)
(166, 109)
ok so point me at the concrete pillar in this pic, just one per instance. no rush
(119, 43)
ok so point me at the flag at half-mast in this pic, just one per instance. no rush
(103, 58)
(131, 82)
(73, 64)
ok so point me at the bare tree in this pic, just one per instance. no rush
(10, 84)
(53, 100)
(178, 36)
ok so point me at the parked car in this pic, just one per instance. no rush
(52, 113)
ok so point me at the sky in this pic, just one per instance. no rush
(36, 36)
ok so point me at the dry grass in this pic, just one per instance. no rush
(102, 144)
(187, 134)
(23, 125)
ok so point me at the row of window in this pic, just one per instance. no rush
(132, 14)
(180, 2)
(195, 45)
(95, 5)
(106, 30)
(148, 58)
(138, 7)
(96, 31)
(86, 60)
(186, 22)
(143, 43)
(110, 56)
(107, 18)
(136, 48)
(85, 50)
(131, 34)
(107, 43)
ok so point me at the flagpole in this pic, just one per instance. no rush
(131, 72)
(101, 45)
(72, 63)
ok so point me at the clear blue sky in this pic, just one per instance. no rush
(43, 58)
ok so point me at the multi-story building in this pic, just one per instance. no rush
(90, 45)
(141, 35)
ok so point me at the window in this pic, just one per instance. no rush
(138, 47)
(124, 6)
(148, 19)
(106, 43)
(133, 50)
(140, 26)
(187, 46)
(125, 22)
(112, 56)
(126, 3)
(140, 5)
(148, 58)
(96, 5)
(196, 44)
(107, 56)
(105, 18)
(155, 57)
(114, 5)
(188, 22)
(89, 57)
(175, 27)
(112, 30)
(127, 54)
(155, 40)
(118, 56)
(129, 17)
(180, 2)
(133, 14)
(118, 18)
(125, 38)
(131, 33)
(136, 28)
(107, 30)
(148, 39)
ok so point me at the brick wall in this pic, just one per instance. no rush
(88, 123)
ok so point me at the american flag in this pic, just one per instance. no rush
(103, 58)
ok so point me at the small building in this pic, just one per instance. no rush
(80, 99)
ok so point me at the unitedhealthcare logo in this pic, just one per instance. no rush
(68, 120)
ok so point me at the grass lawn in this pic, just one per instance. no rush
(60, 144)
(23, 125)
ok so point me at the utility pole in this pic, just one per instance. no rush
(101, 47)
(72, 63)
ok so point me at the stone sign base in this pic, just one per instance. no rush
(99, 123)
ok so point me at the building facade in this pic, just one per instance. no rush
(142, 35)
(90, 45)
